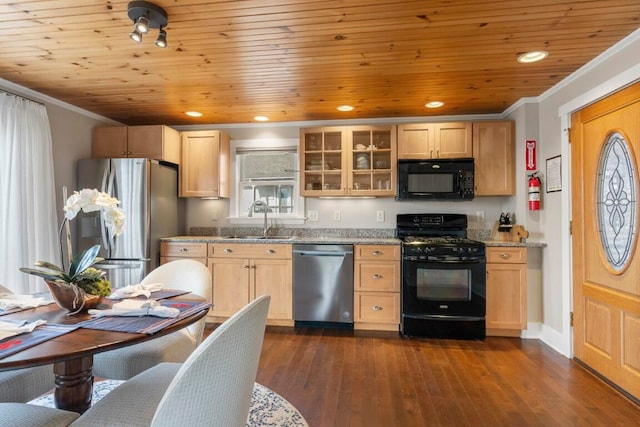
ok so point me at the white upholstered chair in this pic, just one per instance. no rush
(124, 363)
(212, 388)
(22, 385)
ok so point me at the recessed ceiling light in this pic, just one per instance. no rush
(261, 118)
(534, 56)
(193, 113)
(434, 104)
(345, 108)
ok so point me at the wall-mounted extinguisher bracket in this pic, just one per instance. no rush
(534, 192)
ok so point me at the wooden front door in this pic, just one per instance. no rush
(605, 144)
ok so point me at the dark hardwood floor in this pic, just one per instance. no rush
(346, 378)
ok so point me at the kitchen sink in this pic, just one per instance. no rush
(261, 237)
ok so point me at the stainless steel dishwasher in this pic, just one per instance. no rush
(323, 285)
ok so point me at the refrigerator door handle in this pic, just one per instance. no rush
(109, 184)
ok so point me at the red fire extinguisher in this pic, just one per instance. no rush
(534, 192)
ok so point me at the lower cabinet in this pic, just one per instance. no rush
(506, 291)
(241, 272)
(377, 287)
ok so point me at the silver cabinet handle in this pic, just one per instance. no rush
(271, 251)
(505, 255)
(376, 276)
(228, 251)
(376, 308)
(376, 253)
(183, 250)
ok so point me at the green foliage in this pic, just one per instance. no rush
(81, 272)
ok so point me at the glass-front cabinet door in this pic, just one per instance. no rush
(323, 162)
(372, 161)
(348, 161)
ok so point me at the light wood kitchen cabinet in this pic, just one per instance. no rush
(348, 161)
(171, 251)
(152, 142)
(435, 140)
(494, 158)
(376, 287)
(204, 167)
(506, 291)
(242, 271)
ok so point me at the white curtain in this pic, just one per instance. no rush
(28, 217)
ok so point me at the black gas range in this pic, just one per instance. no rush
(443, 277)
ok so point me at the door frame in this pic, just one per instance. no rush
(620, 81)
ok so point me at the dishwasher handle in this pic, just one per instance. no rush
(322, 253)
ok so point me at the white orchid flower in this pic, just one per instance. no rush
(92, 200)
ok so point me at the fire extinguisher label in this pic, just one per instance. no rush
(533, 197)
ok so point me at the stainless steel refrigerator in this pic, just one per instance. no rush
(148, 194)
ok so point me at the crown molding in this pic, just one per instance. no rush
(46, 99)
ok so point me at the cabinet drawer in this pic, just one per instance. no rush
(369, 276)
(183, 250)
(377, 252)
(249, 250)
(377, 307)
(514, 255)
(166, 259)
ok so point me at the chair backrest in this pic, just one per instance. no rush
(214, 385)
(188, 275)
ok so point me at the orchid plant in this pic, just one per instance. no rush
(81, 272)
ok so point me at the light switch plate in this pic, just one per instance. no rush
(336, 215)
(380, 216)
(312, 216)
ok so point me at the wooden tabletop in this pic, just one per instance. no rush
(80, 342)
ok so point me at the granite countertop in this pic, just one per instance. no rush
(286, 239)
(514, 244)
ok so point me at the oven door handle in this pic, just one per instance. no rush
(437, 261)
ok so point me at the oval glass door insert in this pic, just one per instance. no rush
(616, 201)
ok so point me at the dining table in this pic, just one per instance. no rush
(71, 354)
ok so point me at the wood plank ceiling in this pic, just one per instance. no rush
(295, 60)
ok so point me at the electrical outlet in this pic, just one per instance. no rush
(480, 216)
(380, 216)
(336, 215)
(312, 216)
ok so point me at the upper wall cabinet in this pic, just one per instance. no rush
(494, 155)
(348, 161)
(434, 140)
(204, 167)
(153, 142)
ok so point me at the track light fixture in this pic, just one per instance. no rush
(146, 15)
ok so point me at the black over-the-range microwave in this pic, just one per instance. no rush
(435, 179)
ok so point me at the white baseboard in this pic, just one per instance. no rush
(533, 331)
(556, 341)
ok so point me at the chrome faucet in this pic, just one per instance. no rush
(266, 209)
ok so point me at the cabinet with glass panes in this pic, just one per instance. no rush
(348, 161)
(372, 161)
(323, 161)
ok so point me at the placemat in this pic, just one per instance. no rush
(164, 293)
(42, 333)
(145, 324)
